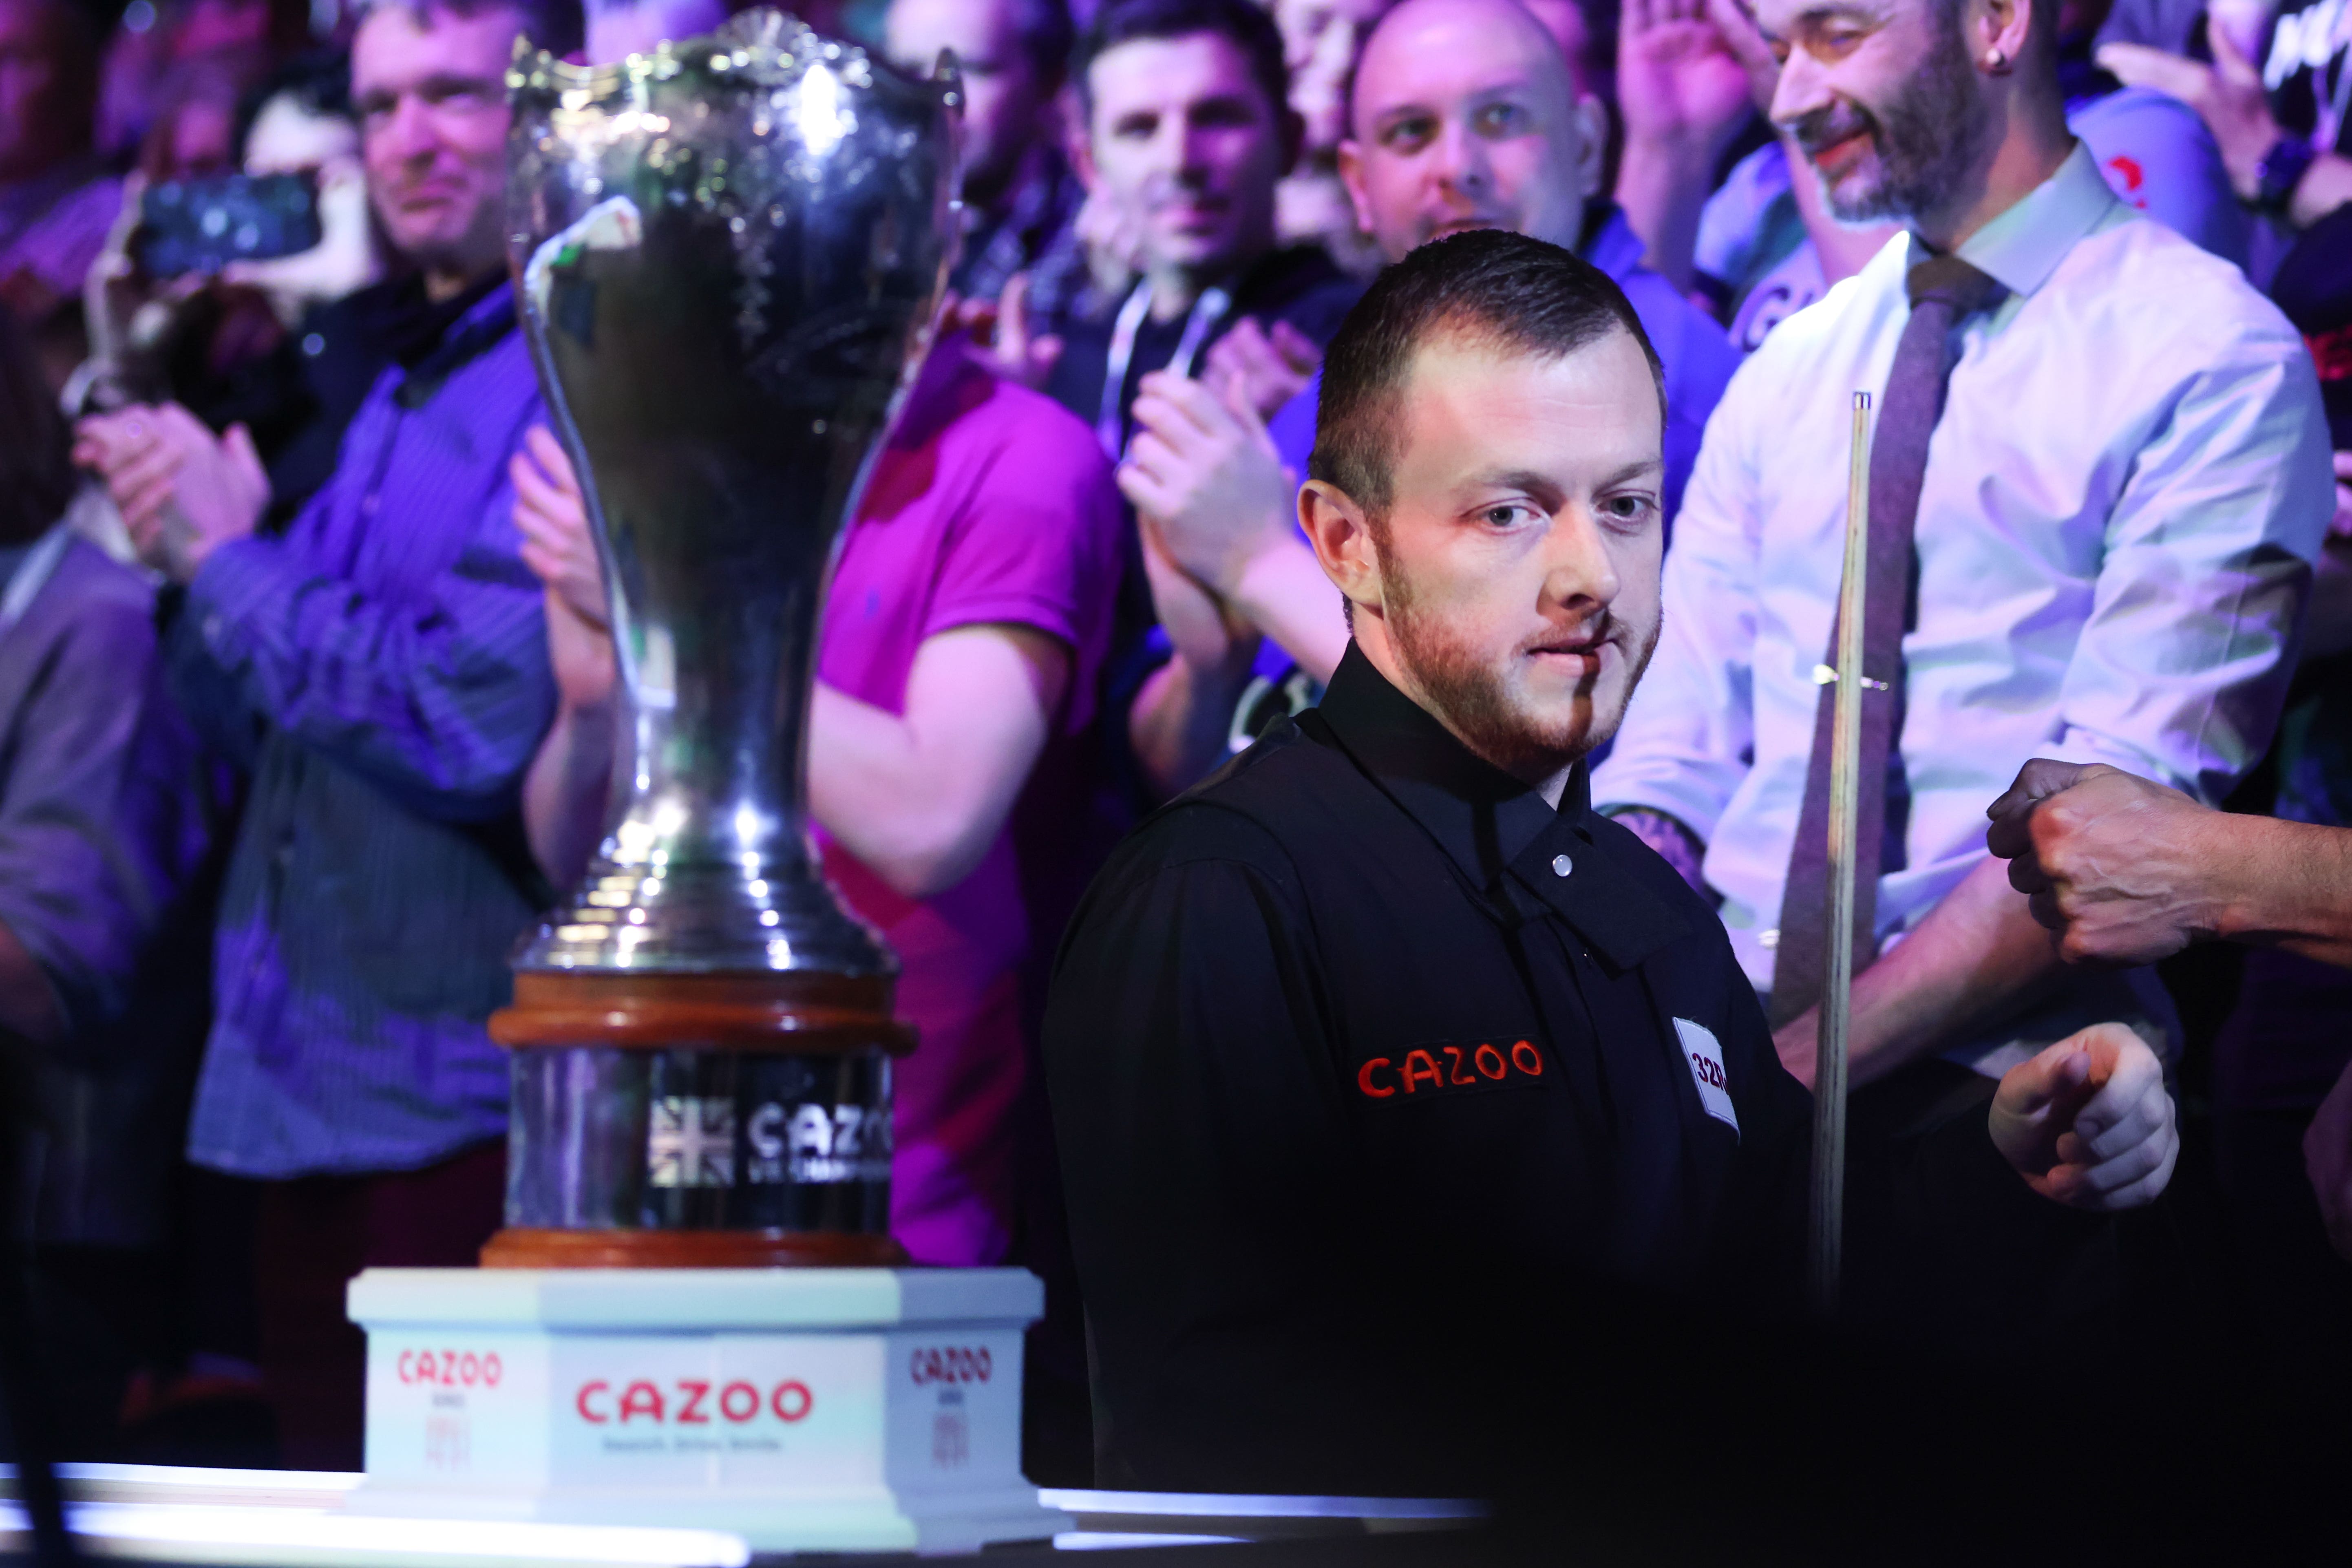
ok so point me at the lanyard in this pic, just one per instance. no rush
(33, 573)
(1110, 420)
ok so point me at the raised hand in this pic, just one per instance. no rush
(1261, 369)
(1021, 353)
(2228, 95)
(1679, 84)
(182, 491)
(552, 518)
(2088, 1122)
(1113, 237)
(1203, 470)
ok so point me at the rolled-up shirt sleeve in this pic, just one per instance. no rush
(2183, 664)
(1690, 728)
(439, 697)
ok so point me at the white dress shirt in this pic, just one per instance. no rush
(2121, 503)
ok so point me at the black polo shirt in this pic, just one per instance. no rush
(1363, 1060)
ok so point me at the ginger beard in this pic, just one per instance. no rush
(1922, 142)
(1490, 706)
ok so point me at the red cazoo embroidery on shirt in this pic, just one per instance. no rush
(1439, 1069)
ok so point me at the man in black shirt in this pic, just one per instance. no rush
(1188, 130)
(1374, 1051)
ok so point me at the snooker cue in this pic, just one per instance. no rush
(1827, 1230)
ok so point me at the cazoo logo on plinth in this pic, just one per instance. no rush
(690, 1402)
(951, 1365)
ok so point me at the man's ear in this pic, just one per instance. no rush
(1351, 177)
(1593, 125)
(2002, 31)
(1342, 539)
(1077, 143)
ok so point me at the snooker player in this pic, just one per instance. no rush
(1369, 1056)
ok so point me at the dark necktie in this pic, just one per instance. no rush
(1944, 291)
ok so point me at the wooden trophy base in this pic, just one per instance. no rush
(543, 1248)
(781, 1015)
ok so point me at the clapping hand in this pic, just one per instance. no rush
(2088, 1122)
(1678, 82)
(1002, 327)
(552, 517)
(2228, 95)
(182, 491)
(1262, 369)
(1204, 472)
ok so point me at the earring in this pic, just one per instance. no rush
(1996, 62)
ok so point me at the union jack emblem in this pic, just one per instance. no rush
(690, 1143)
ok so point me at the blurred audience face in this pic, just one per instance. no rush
(221, 26)
(1319, 41)
(1883, 97)
(430, 90)
(616, 31)
(47, 87)
(195, 136)
(1181, 136)
(1468, 116)
(1008, 95)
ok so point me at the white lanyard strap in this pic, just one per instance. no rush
(33, 574)
(1111, 418)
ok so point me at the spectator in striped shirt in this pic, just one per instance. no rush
(381, 671)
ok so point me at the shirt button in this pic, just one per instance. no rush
(313, 344)
(1768, 938)
(1562, 865)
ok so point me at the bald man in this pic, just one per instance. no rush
(1466, 115)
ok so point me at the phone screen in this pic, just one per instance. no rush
(200, 225)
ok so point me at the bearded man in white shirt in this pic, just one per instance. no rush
(2100, 474)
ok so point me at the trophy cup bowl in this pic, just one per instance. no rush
(727, 257)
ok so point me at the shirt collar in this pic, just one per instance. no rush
(1488, 823)
(2023, 246)
(1610, 242)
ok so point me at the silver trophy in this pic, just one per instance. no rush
(729, 256)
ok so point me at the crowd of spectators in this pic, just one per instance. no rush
(308, 699)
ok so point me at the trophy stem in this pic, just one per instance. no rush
(699, 1120)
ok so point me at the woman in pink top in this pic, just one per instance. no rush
(962, 640)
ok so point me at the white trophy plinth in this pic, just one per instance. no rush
(804, 1409)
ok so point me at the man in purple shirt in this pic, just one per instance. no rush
(381, 670)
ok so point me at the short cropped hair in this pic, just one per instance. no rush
(1247, 26)
(1042, 31)
(559, 27)
(1497, 288)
